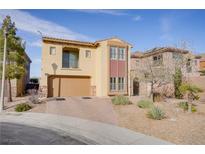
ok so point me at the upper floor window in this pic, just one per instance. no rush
(121, 53)
(177, 56)
(52, 50)
(196, 62)
(87, 53)
(70, 59)
(157, 60)
(188, 66)
(137, 62)
(113, 53)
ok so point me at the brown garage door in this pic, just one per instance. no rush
(68, 86)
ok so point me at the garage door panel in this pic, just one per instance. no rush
(70, 86)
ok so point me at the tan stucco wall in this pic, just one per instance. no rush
(97, 66)
(86, 65)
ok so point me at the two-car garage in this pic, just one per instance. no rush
(62, 86)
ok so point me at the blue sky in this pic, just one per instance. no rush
(144, 29)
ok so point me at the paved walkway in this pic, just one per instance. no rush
(86, 131)
(96, 109)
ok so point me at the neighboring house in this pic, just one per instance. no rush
(77, 68)
(202, 64)
(18, 86)
(160, 58)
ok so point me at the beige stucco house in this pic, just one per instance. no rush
(77, 68)
(163, 62)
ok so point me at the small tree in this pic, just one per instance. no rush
(15, 62)
(190, 92)
(177, 82)
(159, 76)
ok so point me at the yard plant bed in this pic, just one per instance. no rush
(179, 127)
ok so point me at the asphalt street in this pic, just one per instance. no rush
(15, 134)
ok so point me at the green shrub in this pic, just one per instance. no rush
(22, 107)
(184, 106)
(156, 113)
(144, 104)
(120, 100)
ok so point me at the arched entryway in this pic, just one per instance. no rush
(135, 87)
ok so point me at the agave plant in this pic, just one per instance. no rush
(156, 113)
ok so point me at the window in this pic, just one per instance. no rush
(113, 83)
(52, 50)
(137, 62)
(70, 59)
(113, 53)
(121, 83)
(87, 53)
(195, 61)
(177, 56)
(188, 66)
(121, 53)
(157, 60)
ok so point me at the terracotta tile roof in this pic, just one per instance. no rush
(202, 59)
(157, 51)
(66, 41)
(136, 54)
(114, 37)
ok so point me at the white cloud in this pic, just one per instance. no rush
(137, 18)
(26, 22)
(104, 11)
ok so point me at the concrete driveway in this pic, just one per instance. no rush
(96, 109)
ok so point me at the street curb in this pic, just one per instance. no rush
(87, 131)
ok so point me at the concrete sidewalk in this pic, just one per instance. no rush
(87, 131)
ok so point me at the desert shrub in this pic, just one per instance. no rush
(120, 100)
(144, 104)
(185, 106)
(156, 113)
(22, 107)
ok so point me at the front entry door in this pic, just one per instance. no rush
(135, 88)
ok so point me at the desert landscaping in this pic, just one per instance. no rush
(178, 126)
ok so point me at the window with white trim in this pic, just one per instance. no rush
(113, 53)
(121, 53)
(158, 60)
(121, 83)
(113, 81)
(87, 53)
(70, 59)
(52, 50)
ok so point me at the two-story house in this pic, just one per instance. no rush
(77, 68)
(164, 60)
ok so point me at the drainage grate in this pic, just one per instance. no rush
(86, 98)
(60, 99)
